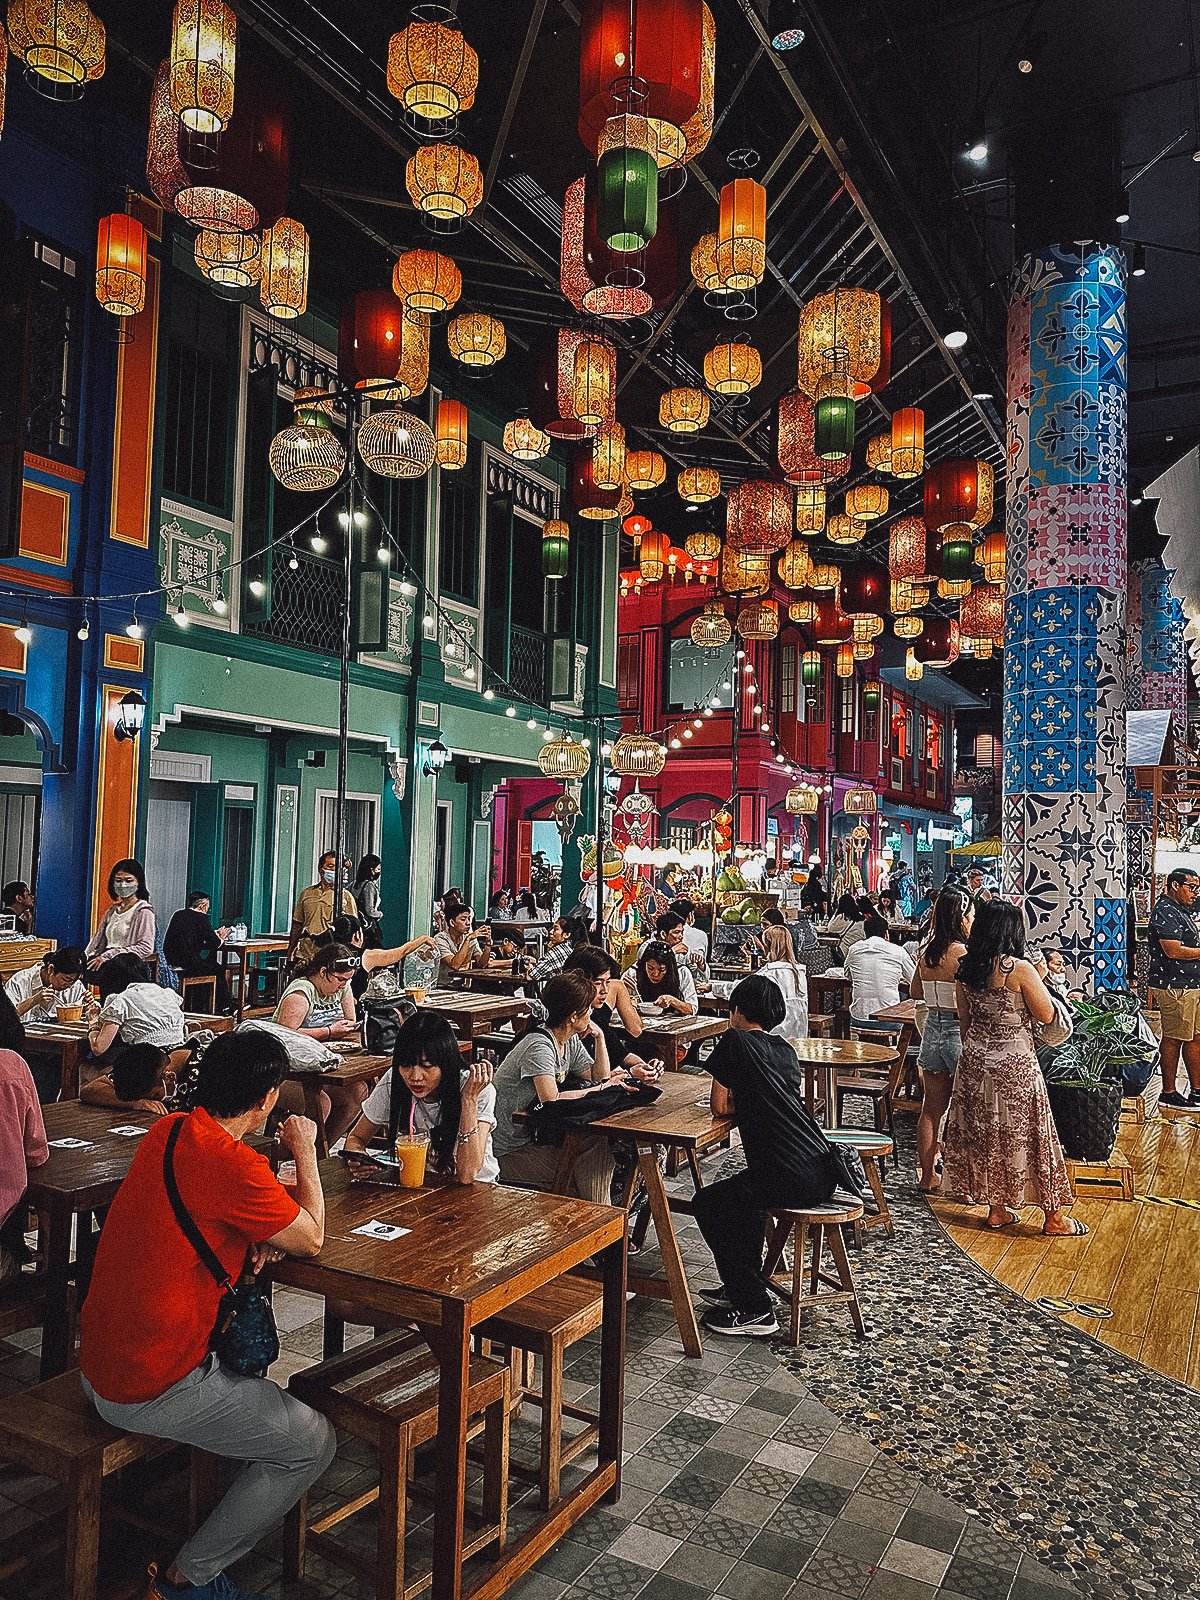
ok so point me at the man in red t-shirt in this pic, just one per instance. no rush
(149, 1314)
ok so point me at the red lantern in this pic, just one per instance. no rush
(554, 388)
(636, 525)
(596, 504)
(831, 625)
(607, 283)
(370, 337)
(958, 491)
(938, 645)
(247, 185)
(759, 515)
(981, 614)
(659, 42)
(864, 590)
(795, 446)
(906, 548)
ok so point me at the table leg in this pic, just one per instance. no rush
(668, 1247)
(311, 1086)
(612, 1361)
(567, 1157)
(56, 1329)
(72, 1055)
(453, 1347)
(831, 1105)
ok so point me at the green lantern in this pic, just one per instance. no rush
(958, 556)
(872, 690)
(627, 198)
(810, 669)
(834, 427)
(555, 549)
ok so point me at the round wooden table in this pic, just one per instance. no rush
(827, 1055)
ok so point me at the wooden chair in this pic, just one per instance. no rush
(872, 1149)
(544, 1324)
(822, 1222)
(386, 1392)
(199, 993)
(53, 1429)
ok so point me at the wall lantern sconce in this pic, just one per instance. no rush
(131, 716)
(435, 758)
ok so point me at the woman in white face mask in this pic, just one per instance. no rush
(129, 924)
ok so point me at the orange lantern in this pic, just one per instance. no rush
(121, 264)
(698, 485)
(742, 234)
(652, 557)
(450, 435)
(908, 442)
(427, 281)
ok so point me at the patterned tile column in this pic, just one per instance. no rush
(1064, 655)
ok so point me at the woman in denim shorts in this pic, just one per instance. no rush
(941, 1044)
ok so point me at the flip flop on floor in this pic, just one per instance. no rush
(1010, 1222)
(1075, 1230)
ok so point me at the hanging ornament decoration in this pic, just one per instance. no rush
(476, 340)
(444, 182)
(958, 493)
(795, 565)
(427, 281)
(121, 264)
(698, 485)
(308, 456)
(523, 441)
(795, 443)
(397, 444)
(742, 234)
(810, 508)
(866, 501)
(938, 645)
(592, 502)
(712, 629)
(660, 46)
(908, 442)
(733, 368)
(906, 548)
(203, 57)
(644, 469)
(61, 44)
(745, 571)
(879, 452)
(594, 381)
(759, 619)
(992, 557)
(800, 801)
(432, 71)
(846, 332)
(652, 556)
(683, 410)
(759, 515)
(627, 183)
(637, 755)
(283, 280)
(636, 526)
(845, 660)
(844, 529)
(232, 260)
(564, 758)
(702, 546)
(706, 274)
(608, 456)
(556, 543)
(450, 435)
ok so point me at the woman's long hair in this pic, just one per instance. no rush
(848, 907)
(998, 934)
(777, 942)
(429, 1038)
(949, 926)
(669, 984)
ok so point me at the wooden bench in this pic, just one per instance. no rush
(544, 1324)
(823, 1223)
(386, 1392)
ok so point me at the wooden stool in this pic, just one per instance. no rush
(386, 1392)
(53, 1429)
(872, 1148)
(875, 1089)
(824, 1222)
(821, 1025)
(199, 993)
(544, 1324)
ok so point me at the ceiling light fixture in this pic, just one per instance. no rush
(785, 25)
(1137, 261)
(1121, 214)
(977, 140)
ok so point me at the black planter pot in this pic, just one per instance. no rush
(1087, 1119)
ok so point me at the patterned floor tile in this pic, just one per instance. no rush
(829, 1569)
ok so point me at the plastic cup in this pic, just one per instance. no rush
(411, 1153)
(69, 1013)
(417, 996)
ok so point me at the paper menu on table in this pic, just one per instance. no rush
(386, 1231)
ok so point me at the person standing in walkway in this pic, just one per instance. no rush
(367, 898)
(941, 1038)
(1175, 985)
(1001, 1145)
(314, 911)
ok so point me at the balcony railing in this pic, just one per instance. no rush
(306, 605)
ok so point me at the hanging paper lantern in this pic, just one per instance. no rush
(958, 559)
(866, 628)
(523, 441)
(733, 368)
(712, 629)
(795, 565)
(862, 649)
(60, 42)
(845, 530)
(759, 619)
(644, 469)
(845, 331)
(698, 485)
(233, 260)
(745, 571)
(706, 274)
(593, 381)
(283, 280)
(801, 801)
(981, 615)
(759, 515)
(908, 442)
(660, 42)
(165, 172)
(554, 388)
(702, 545)
(845, 660)
(825, 576)
(866, 501)
(308, 456)
(872, 696)
(370, 338)
(556, 538)
(913, 670)
(397, 444)
(742, 234)
(810, 669)
(444, 181)
(636, 526)
(908, 627)
(906, 548)
(810, 508)
(608, 456)
(121, 264)
(476, 340)
(958, 493)
(203, 56)
(834, 427)
(683, 410)
(938, 645)
(697, 129)
(238, 181)
(992, 557)
(865, 592)
(591, 501)
(564, 758)
(450, 435)
(860, 802)
(900, 595)
(608, 283)
(652, 555)
(627, 184)
(802, 611)
(426, 281)
(412, 371)
(831, 625)
(795, 443)
(637, 755)
(879, 452)
(432, 71)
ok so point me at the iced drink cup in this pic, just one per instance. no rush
(410, 1153)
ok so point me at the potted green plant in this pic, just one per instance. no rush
(1110, 1053)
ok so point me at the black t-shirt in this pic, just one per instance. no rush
(191, 941)
(780, 1140)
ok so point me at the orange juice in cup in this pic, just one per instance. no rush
(411, 1153)
(417, 996)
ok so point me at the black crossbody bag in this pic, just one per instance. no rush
(244, 1336)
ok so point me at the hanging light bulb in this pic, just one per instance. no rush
(427, 281)
(60, 42)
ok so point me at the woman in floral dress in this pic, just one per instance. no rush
(1001, 1145)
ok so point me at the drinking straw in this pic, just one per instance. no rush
(412, 1121)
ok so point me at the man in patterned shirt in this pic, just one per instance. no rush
(1175, 984)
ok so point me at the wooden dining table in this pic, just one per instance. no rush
(69, 1042)
(905, 1013)
(247, 953)
(670, 1039)
(829, 1056)
(353, 1066)
(470, 1251)
(472, 1014)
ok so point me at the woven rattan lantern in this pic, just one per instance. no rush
(637, 755)
(733, 368)
(233, 260)
(683, 410)
(476, 340)
(121, 264)
(556, 546)
(908, 442)
(759, 619)
(800, 801)
(644, 469)
(906, 548)
(992, 557)
(450, 435)
(432, 71)
(860, 802)
(702, 545)
(427, 281)
(795, 565)
(845, 659)
(60, 42)
(745, 571)
(845, 529)
(397, 444)
(908, 626)
(608, 456)
(698, 485)
(652, 555)
(593, 382)
(795, 443)
(283, 280)
(444, 181)
(810, 508)
(711, 629)
(879, 452)
(742, 234)
(802, 611)
(203, 56)
(759, 515)
(564, 758)
(845, 331)
(523, 441)
(308, 456)
(866, 501)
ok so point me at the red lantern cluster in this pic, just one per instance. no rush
(658, 43)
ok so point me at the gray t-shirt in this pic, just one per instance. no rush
(536, 1056)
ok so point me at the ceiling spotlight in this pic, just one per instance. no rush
(1137, 261)
(982, 394)
(785, 24)
(1024, 64)
(955, 338)
(1032, 53)
(977, 141)
(1135, 500)
(1196, 153)
(1121, 213)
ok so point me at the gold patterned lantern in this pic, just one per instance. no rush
(702, 546)
(608, 456)
(283, 280)
(908, 626)
(845, 659)
(706, 274)
(683, 410)
(844, 529)
(795, 565)
(523, 441)
(637, 755)
(476, 340)
(742, 234)
(992, 557)
(862, 649)
(901, 595)
(802, 611)
(60, 42)
(913, 670)
(860, 802)
(564, 758)
(733, 368)
(450, 435)
(879, 452)
(825, 576)
(846, 333)
(444, 181)
(906, 548)
(432, 71)
(203, 57)
(801, 801)
(866, 627)
(165, 172)
(711, 629)
(810, 507)
(866, 501)
(759, 619)
(412, 372)
(120, 264)
(205, 206)
(698, 485)
(908, 442)
(759, 515)
(644, 469)
(233, 260)
(745, 571)
(593, 386)
(652, 555)
(397, 444)
(427, 281)
(308, 456)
